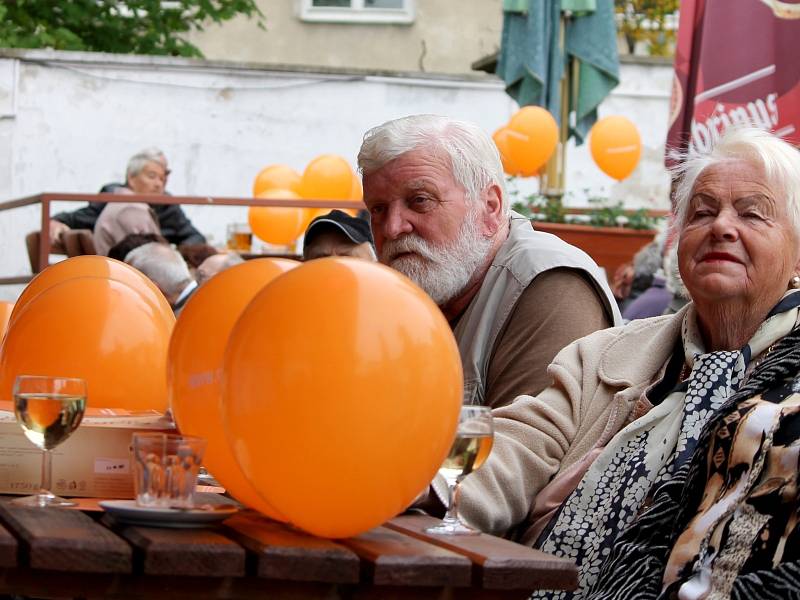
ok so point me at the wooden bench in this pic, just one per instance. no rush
(61, 553)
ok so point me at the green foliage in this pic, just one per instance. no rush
(134, 26)
(601, 213)
(646, 20)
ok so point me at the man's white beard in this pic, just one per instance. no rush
(442, 271)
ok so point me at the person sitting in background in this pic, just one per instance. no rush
(146, 173)
(435, 189)
(120, 250)
(216, 263)
(166, 268)
(572, 467)
(338, 234)
(195, 255)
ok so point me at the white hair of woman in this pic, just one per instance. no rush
(138, 161)
(474, 157)
(163, 265)
(779, 160)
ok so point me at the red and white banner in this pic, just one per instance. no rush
(736, 62)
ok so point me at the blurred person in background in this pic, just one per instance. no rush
(146, 173)
(166, 268)
(338, 234)
(216, 263)
(120, 250)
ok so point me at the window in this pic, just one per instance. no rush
(357, 11)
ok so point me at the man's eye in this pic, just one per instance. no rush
(376, 210)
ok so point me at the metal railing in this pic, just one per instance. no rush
(46, 199)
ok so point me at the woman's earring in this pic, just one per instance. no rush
(794, 282)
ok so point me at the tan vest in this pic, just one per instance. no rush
(524, 255)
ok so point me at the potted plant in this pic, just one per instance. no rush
(606, 231)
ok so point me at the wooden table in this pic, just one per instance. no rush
(63, 553)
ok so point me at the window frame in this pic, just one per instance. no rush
(356, 13)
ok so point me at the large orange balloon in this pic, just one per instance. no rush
(276, 177)
(342, 385)
(275, 224)
(95, 328)
(194, 366)
(616, 146)
(500, 138)
(532, 138)
(5, 315)
(96, 266)
(328, 177)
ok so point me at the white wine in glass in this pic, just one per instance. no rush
(470, 449)
(48, 409)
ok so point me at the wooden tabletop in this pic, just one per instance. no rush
(60, 553)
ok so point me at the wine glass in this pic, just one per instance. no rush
(469, 451)
(49, 409)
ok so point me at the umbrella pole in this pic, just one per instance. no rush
(553, 180)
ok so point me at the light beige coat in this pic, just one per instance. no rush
(598, 382)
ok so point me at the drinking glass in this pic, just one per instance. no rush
(49, 409)
(240, 238)
(471, 447)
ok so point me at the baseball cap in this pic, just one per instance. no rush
(355, 228)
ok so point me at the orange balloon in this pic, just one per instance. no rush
(616, 146)
(328, 177)
(500, 138)
(275, 224)
(276, 177)
(341, 411)
(194, 366)
(5, 314)
(532, 138)
(96, 266)
(95, 328)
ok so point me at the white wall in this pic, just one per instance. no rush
(69, 122)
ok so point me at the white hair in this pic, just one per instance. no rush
(779, 160)
(163, 265)
(473, 156)
(138, 161)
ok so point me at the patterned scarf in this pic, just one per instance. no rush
(649, 450)
(635, 568)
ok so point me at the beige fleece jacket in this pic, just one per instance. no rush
(597, 381)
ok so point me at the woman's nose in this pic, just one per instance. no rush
(725, 226)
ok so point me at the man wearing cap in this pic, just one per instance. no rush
(514, 297)
(338, 234)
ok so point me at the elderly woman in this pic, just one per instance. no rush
(573, 466)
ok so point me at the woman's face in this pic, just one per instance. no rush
(737, 242)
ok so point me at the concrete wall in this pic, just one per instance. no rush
(445, 37)
(69, 122)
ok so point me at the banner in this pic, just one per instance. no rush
(736, 62)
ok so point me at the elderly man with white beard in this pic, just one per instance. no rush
(514, 297)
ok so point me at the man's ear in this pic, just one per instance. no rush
(493, 216)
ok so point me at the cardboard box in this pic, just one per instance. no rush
(95, 461)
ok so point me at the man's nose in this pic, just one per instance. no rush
(396, 223)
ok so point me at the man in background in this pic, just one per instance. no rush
(338, 234)
(165, 267)
(146, 173)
